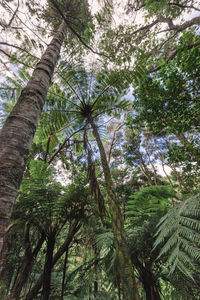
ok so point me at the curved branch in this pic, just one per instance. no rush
(189, 23)
(12, 18)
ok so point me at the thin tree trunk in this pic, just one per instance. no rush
(96, 286)
(145, 170)
(18, 131)
(153, 167)
(64, 274)
(48, 267)
(125, 266)
(162, 162)
(72, 231)
(145, 174)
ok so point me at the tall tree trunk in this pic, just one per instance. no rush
(71, 233)
(18, 131)
(93, 182)
(48, 267)
(125, 266)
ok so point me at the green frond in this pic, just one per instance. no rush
(149, 201)
(173, 241)
(179, 236)
(104, 240)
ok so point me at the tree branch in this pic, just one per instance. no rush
(173, 55)
(184, 6)
(12, 18)
(178, 28)
(171, 25)
(63, 144)
(47, 149)
(114, 140)
(19, 48)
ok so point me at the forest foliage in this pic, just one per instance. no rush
(111, 180)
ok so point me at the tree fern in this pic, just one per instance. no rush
(148, 201)
(179, 234)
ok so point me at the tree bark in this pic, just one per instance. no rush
(125, 266)
(6, 271)
(18, 131)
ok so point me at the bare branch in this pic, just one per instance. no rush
(11, 20)
(13, 16)
(19, 48)
(147, 27)
(171, 25)
(183, 6)
(24, 23)
(63, 144)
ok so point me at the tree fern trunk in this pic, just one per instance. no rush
(150, 287)
(48, 267)
(18, 131)
(125, 266)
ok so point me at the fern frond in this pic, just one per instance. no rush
(179, 234)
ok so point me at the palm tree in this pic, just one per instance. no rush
(18, 131)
